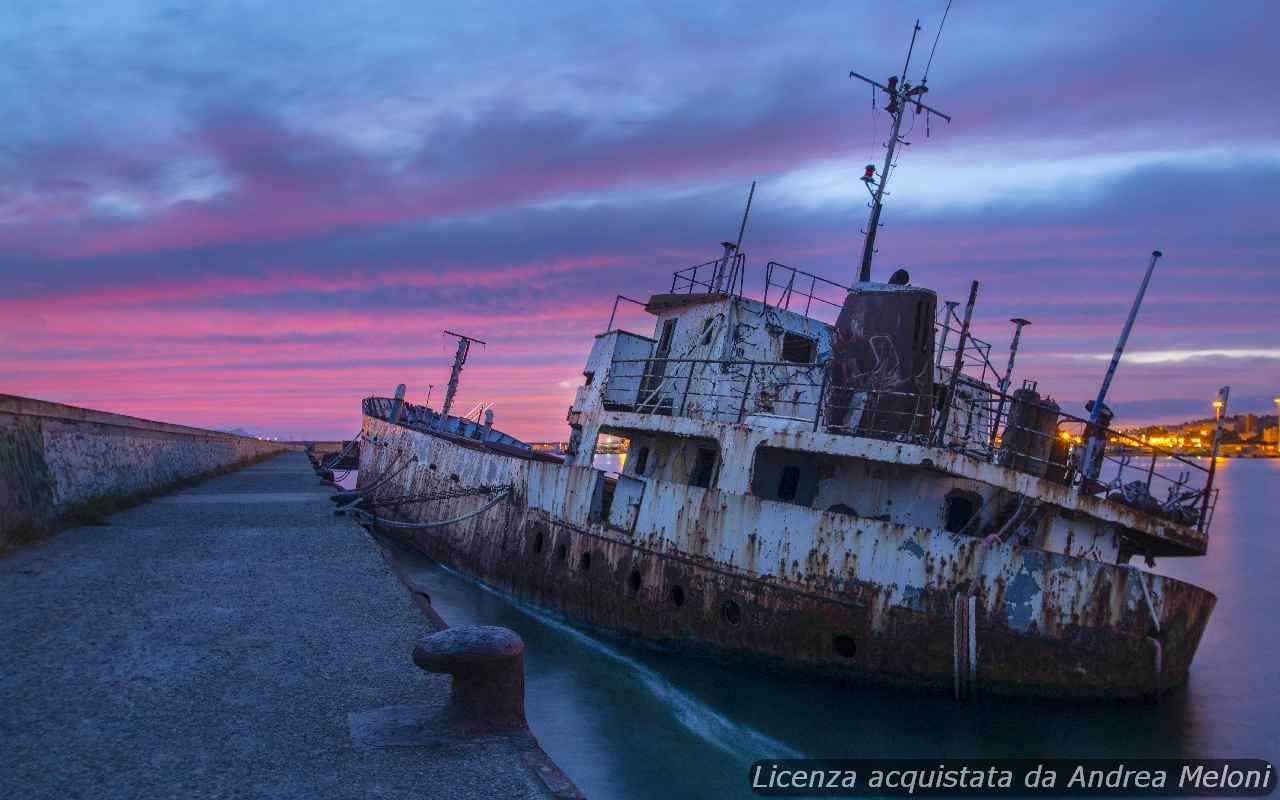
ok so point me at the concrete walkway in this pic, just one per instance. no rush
(212, 643)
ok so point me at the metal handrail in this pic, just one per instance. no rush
(726, 276)
(980, 423)
(614, 313)
(788, 290)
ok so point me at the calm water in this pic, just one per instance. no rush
(627, 722)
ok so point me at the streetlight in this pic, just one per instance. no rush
(1277, 402)
(1217, 409)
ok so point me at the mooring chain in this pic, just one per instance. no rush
(502, 493)
(333, 460)
(448, 494)
(366, 493)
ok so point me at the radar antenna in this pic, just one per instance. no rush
(902, 96)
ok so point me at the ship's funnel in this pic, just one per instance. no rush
(881, 381)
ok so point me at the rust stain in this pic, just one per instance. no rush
(733, 576)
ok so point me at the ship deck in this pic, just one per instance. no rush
(1158, 536)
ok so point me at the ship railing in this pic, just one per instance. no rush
(721, 275)
(423, 418)
(785, 287)
(977, 421)
(613, 315)
(411, 415)
(976, 358)
(1041, 439)
(716, 390)
(814, 296)
(377, 407)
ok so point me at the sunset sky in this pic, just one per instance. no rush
(254, 214)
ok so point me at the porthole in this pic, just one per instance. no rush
(634, 580)
(677, 595)
(844, 646)
(584, 562)
(730, 612)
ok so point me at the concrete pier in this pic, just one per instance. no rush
(232, 640)
(55, 458)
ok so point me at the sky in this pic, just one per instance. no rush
(251, 215)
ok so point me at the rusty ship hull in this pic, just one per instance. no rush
(856, 601)
(828, 478)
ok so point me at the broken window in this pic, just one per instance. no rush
(664, 341)
(704, 465)
(789, 476)
(642, 460)
(797, 349)
(651, 398)
(960, 509)
(789, 483)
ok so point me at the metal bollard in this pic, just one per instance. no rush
(487, 666)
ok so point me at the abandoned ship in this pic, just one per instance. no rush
(824, 479)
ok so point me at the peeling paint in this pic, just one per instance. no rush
(1047, 624)
(1023, 595)
(911, 546)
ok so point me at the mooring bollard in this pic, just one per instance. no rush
(487, 666)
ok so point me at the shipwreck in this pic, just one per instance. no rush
(826, 479)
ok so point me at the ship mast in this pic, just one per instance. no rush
(459, 358)
(902, 96)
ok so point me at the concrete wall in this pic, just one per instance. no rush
(52, 455)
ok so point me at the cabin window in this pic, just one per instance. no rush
(642, 460)
(960, 509)
(788, 476)
(602, 500)
(788, 483)
(651, 398)
(797, 349)
(707, 330)
(664, 341)
(704, 465)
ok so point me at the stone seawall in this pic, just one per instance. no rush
(54, 456)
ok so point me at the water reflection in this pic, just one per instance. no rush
(610, 462)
